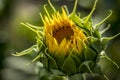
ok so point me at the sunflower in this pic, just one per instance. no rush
(68, 46)
(62, 35)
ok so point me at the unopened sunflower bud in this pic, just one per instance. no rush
(69, 47)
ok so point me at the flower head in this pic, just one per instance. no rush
(62, 34)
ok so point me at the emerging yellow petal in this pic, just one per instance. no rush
(62, 35)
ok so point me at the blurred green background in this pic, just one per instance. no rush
(15, 37)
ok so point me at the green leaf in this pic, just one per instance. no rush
(89, 54)
(77, 76)
(86, 66)
(69, 66)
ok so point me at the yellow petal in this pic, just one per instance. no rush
(62, 47)
(52, 43)
(64, 14)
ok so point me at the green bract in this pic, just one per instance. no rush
(71, 57)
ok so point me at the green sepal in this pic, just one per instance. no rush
(60, 60)
(69, 66)
(51, 62)
(77, 76)
(76, 19)
(105, 29)
(76, 60)
(88, 25)
(98, 25)
(105, 40)
(73, 15)
(86, 66)
(87, 18)
(89, 54)
(97, 34)
(27, 51)
(96, 45)
(81, 55)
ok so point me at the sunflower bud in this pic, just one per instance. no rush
(69, 47)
